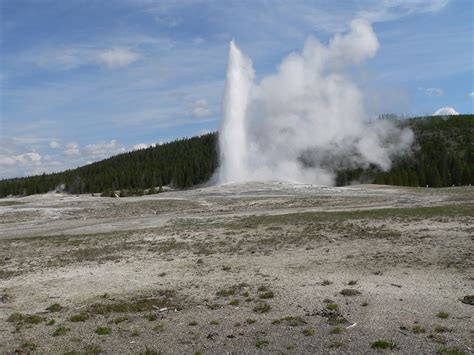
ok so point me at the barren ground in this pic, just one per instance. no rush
(254, 268)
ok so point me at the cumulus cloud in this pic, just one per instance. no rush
(201, 108)
(54, 145)
(117, 57)
(142, 146)
(472, 94)
(446, 111)
(433, 92)
(71, 149)
(103, 150)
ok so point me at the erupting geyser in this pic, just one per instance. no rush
(307, 120)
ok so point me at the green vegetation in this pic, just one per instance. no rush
(332, 306)
(450, 351)
(382, 344)
(61, 331)
(442, 315)
(261, 343)
(103, 330)
(308, 332)
(336, 330)
(443, 156)
(262, 307)
(56, 307)
(81, 317)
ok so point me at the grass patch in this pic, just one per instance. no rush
(80, 317)
(159, 328)
(193, 323)
(215, 322)
(59, 331)
(326, 283)
(266, 295)
(250, 321)
(234, 302)
(261, 343)
(162, 300)
(349, 292)
(383, 344)
(332, 306)
(442, 315)
(292, 321)
(262, 307)
(20, 319)
(336, 330)
(450, 351)
(55, 307)
(135, 333)
(308, 332)
(29, 345)
(119, 320)
(151, 317)
(103, 330)
(418, 329)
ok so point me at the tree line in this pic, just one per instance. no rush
(443, 155)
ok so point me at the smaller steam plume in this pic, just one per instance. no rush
(307, 120)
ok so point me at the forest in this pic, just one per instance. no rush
(442, 155)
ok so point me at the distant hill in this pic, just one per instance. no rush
(443, 156)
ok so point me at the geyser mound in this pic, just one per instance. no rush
(307, 120)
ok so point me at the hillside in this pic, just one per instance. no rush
(443, 155)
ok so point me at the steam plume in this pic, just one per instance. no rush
(305, 121)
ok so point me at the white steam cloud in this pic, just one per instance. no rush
(305, 121)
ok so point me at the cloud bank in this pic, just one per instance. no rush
(307, 120)
(445, 111)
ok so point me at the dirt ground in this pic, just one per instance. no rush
(248, 268)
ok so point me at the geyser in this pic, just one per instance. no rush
(307, 120)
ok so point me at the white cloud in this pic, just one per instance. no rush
(71, 149)
(54, 145)
(117, 57)
(22, 159)
(433, 92)
(201, 108)
(472, 94)
(446, 111)
(103, 150)
(142, 146)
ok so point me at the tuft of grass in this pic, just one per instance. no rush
(193, 323)
(226, 292)
(234, 302)
(308, 332)
(352, 282)
(135, 333)
(61, 331)
(80, 317)
(93, 349)
(441, 329)
(151, 317)
(250, 321)
(55, 307)
(262, 288)
(266, 295)
(51, 322)
(326, 283)
(336, 330)
(215, 322)
(103, 330)
(29, 345)
(158, 328)
(261, 343)
(349, 292)
(262, 307)
(383, 344)
(418, 329)
(365, 304)
(332, 306)
(119, 320)
(20, 319)
(450, 351)
(442, 315)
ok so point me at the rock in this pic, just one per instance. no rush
(469, 299)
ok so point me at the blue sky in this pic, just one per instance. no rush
(81, 80)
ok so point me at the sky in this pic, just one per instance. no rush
(81, 80)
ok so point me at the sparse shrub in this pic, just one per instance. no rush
(56, 307)
(349, 292)
(103, 330)
(336, 330)
(418, 329)
(262, 307)
(266, 295)
(81, 317)
(261, 343)
(51, 322)
(332, 306)
(234, 302)
(61, 331)
(442, 315)
(383, 344)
